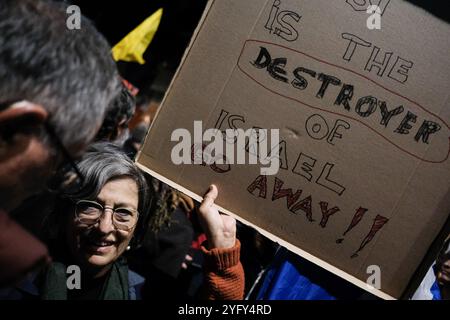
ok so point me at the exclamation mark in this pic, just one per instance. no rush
(356, 219)
(378, 223)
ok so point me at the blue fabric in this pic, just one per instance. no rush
(435, 291)
(135, 284)
(291, 277)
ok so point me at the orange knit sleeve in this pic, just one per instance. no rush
(224, 275)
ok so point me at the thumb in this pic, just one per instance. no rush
(210, 196)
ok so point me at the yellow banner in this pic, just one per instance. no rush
(132, 47)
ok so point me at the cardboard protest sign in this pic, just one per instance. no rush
(363, 117)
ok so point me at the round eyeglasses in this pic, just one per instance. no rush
(89, 213)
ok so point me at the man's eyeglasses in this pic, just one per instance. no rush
(67, 172)
(89, 213)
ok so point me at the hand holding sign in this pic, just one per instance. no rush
(220, 229)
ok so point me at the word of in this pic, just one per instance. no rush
(317, 128)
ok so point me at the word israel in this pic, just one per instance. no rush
(253, 139)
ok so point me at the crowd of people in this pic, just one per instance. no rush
(72, 196)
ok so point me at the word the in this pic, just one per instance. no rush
(399, 70)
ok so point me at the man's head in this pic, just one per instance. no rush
(50, 77)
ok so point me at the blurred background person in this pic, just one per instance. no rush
(443, 271)
(120, 112)
(436, 283)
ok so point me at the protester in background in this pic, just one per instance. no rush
(142, 114)
(436, 283)
(115, 125)
(55, 85)
(134, 143)
(165, 245)
(443, 271)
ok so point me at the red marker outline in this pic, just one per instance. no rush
(340, 114)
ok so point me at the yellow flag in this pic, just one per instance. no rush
(132, 47)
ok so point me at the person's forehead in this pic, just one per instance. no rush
(121, 190)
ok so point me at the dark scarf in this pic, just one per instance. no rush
(115, 286)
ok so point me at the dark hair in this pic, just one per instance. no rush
(142, 101)
(101, 163)
(69, 72)
(121, 110)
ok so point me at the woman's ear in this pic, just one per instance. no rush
(23, 110)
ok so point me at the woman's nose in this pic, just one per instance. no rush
(106, 224)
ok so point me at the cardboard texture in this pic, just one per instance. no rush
(364, 128)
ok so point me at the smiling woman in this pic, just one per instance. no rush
(95, 222)
(99, 234)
